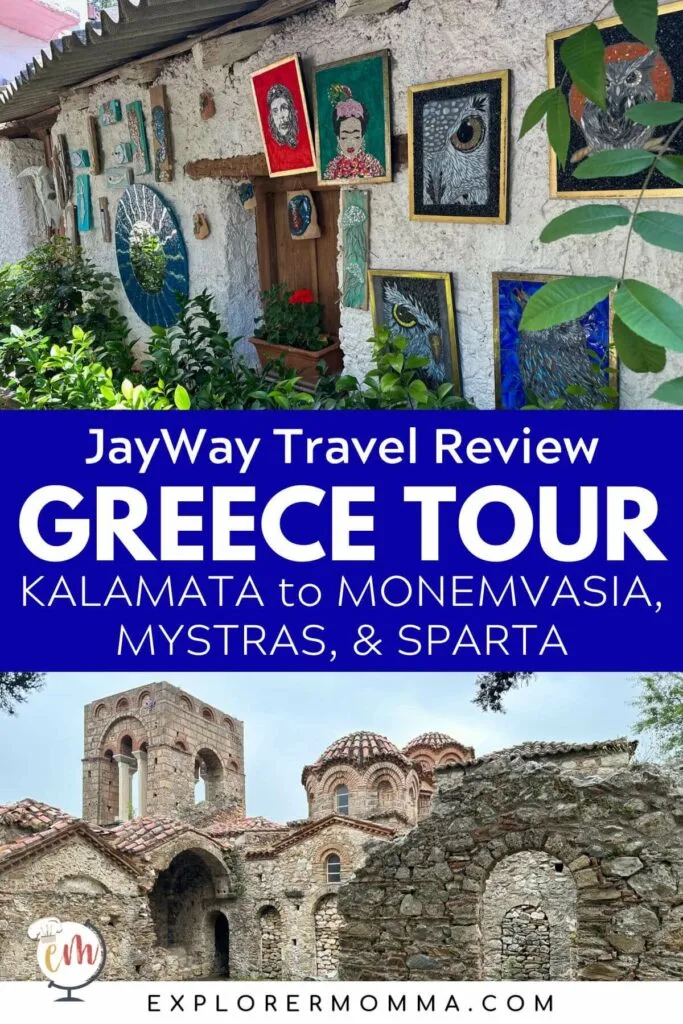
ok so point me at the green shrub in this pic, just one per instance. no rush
(68, 377)
(197, 353)
(53, 289)
(394, 383)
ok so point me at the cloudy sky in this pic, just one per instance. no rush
(289, 719)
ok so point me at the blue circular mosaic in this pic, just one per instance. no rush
(151, 254)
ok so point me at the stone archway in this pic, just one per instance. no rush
(528, 919)
(186, 920)
(328, 921)
(270, 924)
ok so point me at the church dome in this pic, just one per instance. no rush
(358, 748)
(433, 740)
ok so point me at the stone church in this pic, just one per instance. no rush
(548, 860)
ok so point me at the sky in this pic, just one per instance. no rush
(289, 719)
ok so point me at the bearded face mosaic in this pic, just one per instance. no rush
(283, 117)
(458, 149)
(418, 306)
(570, 363)
(353, 120)
(634, 75)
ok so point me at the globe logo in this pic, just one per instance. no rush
(70, 955)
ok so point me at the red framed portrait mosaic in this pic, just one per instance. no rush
(283, 117)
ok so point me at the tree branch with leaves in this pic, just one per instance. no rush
(647, 321)
(16, 687)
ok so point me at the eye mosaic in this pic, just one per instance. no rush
(458, 149)
(418, 306)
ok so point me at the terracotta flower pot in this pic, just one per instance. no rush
(301, 360)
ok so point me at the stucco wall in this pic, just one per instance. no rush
(22, 223)
(429, 40)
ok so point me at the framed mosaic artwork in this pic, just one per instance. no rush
(352, 114)
(458, 149)
(283, 117)
(418, 305)
(634, 74)
(542, 364)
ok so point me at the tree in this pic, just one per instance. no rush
(493, 686)
(660, 707)
(15, 688)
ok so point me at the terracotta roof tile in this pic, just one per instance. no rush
(140, 834)
(222, 823)
(358, 748)
(433, 740)
(32, 815)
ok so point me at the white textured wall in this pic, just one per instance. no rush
(22, 224)
(429, 40)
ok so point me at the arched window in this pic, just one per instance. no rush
(341, 800)
(333, 868)
(385, 794)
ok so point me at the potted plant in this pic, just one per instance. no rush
(290, 329)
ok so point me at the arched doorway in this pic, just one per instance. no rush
(221, 945)
(527, 917)
(180, 902)
(525, 944)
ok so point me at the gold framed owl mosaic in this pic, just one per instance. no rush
(418, 306)
(634, 74)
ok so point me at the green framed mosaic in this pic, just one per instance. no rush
(352, 116)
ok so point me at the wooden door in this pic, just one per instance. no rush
(299, 264)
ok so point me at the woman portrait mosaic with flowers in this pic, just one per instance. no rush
(353, 121)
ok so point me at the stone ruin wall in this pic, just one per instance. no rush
(416, 910)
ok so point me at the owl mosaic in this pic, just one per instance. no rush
(634, 74)
(556, 358)
(419, 308)
(456, 151)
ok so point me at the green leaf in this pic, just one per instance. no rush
(415, 362)
(565, 299)
(659, 228)
(614, 163)
(635, 352)
(388, 380)
(656, 113)
(418, 391)
(586, 220)
(536, 111)
(672, 167)
(559, 125)
(640, 18)
(583, 55)
(670, 391)
(650, 314)
(181, 398)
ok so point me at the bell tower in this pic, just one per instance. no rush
(156, 751)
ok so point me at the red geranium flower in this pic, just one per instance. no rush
(303, 296)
